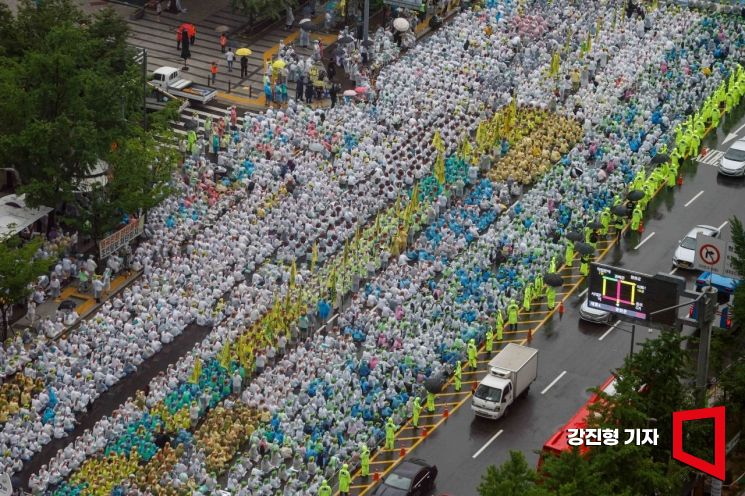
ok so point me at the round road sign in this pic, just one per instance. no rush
(709, 254)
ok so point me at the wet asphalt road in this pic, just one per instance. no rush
(572, 346)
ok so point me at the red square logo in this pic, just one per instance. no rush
(715, 469)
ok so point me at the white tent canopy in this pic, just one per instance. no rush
(15, 216)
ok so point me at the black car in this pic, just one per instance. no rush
(413, 477)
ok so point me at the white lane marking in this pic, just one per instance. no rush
(734, 134)
(694, 198)
(712, 158)
(644, 240)
(608, 331)
(553, 382)
(723, 224)
(673, 271)
(495, 436)
(583, 293)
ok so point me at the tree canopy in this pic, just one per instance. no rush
(20, 266)
(262, 9)
(72, 97)
(738, 239)
(651, 385)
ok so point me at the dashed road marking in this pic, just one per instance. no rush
(495, 436)
(644, 240)
(694, 198)
(554, 382)
(610, 329)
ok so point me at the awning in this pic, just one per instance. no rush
(15, 216)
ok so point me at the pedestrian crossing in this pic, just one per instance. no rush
(712, 157)
(201, 113)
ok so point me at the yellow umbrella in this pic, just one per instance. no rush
(279, 64)
(243, 52)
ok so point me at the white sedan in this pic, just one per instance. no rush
(733, 162)
(594, 315)
(686, 250)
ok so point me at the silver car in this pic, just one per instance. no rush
(733, 162)
(686, 250)
(594, 315)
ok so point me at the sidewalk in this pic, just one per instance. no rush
(85, 302)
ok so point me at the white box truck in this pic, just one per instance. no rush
(511, 372)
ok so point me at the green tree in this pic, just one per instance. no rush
(649, 387)
(571, 474)
(257, 10)
(70, 90)
(513, 478)
(732, 381)
(19, 269)
(140, 174)
(738, 239)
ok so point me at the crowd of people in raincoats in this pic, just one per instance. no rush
(300, 185)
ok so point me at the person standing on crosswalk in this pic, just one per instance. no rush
(230, 57)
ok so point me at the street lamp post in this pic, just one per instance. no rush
(365, 22)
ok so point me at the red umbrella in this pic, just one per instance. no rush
(188, 27)
(361, 89)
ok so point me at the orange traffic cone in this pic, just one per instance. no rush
(704, 151)
(680, 181)
(376, 476)
(561, 309)
(424, 432)
(530, 335)
(402, 452)
(446, 413)
(641, 227)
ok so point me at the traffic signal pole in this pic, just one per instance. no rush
(706, 312)
(706, 305)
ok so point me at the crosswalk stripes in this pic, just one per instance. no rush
(711, 158)
(202, 112)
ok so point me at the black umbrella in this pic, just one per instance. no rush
(660, 158)
(553, 279)
(635, 195)
(346, 39)
(584, 249)
(67, 305)
(620, 210)
(433, 384)
(367, 43)
(574, 236)
(595, 225)
(305, 24)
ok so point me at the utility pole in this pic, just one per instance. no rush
(365, 22)
(706, 311)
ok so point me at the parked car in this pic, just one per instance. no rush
(413, 477)
(733, 162)
(686, 250)
(594, 315)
